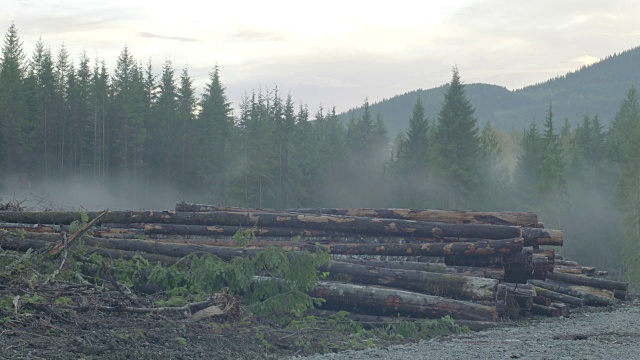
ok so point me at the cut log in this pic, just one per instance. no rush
(559, 297)
(385, 301)
(545, 310)
(564, 309)
(528, 219)
(567, 263)
(431, 249)
(541, 300)
(577, 270)
(452, 286)
(400, 265)
(589, 297)
(538, 236)
(38, 228)
(590, 281)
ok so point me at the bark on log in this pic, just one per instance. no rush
(556, 296)
(567, 263)
(385, 301)
(400, 265)
(538, 236)
(480, 248)
(358, 225)
(545, 310)
(565, 310)
(541, 300)
(589, 297)
(528, 219)
(590, 281)
(586, 270)
(452, 286)
(24, 244)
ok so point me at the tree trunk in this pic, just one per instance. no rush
(590, 281)
(545, 310)
(528, 219)
(391, 302)
(452, 286)
(352, 225)
(589, 297)
(480, 248)
(556, 296)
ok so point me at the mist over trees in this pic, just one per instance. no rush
(131, 127)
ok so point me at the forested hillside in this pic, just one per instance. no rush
(592, 90)
(130, 130)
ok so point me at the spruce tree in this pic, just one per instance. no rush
(14, 127)
(552, 188)
(214, 128)
(625, 144)
(185, 115)
(528, 173)
(457, 145)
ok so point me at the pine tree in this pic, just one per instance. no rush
(413, 151)
(457, 145)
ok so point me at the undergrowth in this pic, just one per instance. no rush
(273, 285)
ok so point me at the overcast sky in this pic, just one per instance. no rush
(337, 53)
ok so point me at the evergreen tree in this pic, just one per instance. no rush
(41, 74)
(457, 145)
(14, 129)
(528, 173)
(497, 194)
(214, 128)
(552, 188)
(625, 145)
(411, 167)
(186, 109)
(413, 151)
(164, 144)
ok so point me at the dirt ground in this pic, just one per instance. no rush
(71, 321)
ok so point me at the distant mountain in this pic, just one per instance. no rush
(596, 89)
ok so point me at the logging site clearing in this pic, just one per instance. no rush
(204, 281)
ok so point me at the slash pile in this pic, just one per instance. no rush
(468, 265)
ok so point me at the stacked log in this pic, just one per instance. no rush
(493, 264)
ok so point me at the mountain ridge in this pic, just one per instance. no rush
(593, 90)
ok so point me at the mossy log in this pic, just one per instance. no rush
(452, 286)
(392, 302)
(528, 219)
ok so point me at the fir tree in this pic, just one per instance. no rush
(13, 126)
(457, 145)
(625, 143)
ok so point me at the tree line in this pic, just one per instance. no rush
(129, 127)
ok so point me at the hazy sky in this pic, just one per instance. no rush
(337, 53)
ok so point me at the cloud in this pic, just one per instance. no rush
(145, 34)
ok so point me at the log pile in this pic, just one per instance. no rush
(477, 266)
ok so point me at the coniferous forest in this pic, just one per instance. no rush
(147, 134)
